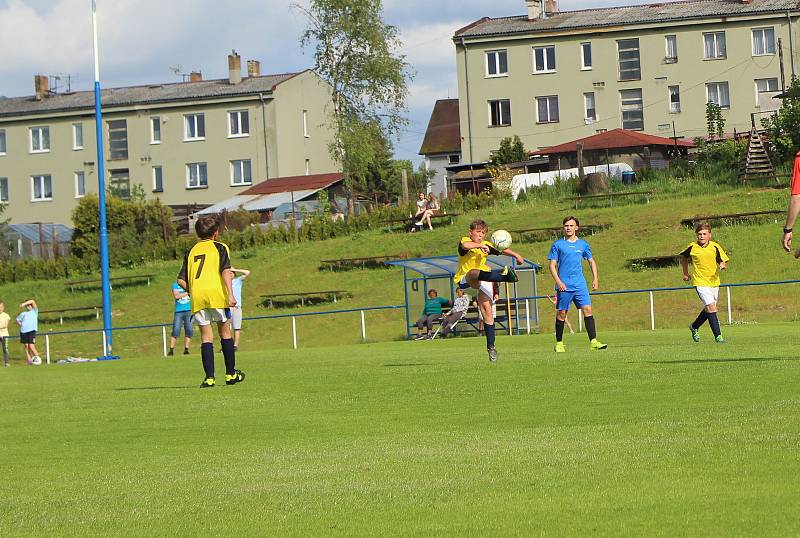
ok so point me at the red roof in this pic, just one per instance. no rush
(294, 183)
(614, 139)
(444, 130)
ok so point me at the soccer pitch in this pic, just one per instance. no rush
(654, 436)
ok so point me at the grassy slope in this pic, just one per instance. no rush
(638, 230)
(656, 436)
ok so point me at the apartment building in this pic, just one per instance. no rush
(194, 142)
(551, 76)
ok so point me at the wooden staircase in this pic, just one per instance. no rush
(756, 163)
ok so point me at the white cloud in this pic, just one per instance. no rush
(430, 44)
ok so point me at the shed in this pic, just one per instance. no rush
(35, 240)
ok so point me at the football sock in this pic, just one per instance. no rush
(714, 322)
(229, 354)
(559, 330)
(700, 319)
(489, 335)
(207, 354)
(591, 331)
(491, 276)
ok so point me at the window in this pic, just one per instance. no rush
(77, 136)
(308, 166)
(80, 184)
(453, 159)
(544, 59)
(714, 46)
(589, 110)
(305, 123)
(674, 99)
(197, 176)
(238, 123)
(586, 56)
(671, 44)
(547, 109)
(497, 63)
(195, 127)
(766, 85)
(40, 139)
(120, 183)
(158, 179)
(717, 92)
(763, 41)
(3, 190)
(41, 188)
(628, 55)
(632, 109)
(499, 112)
(155, 130)
(118, 140)
(241, 173)
(2, 142)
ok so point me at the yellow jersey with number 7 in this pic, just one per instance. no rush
(202, 271)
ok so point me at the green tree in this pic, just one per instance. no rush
(714, 120)
(511, 150)
(783, 127)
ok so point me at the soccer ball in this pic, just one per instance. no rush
(501, 239)
(36, 360)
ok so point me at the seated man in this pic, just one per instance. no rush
(460, 307)
(432, 312)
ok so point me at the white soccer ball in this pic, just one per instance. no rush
(36, 360)
(501, 239)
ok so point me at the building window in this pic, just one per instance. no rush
(195, 127)
(2, 142)
(118, 140)
(547, 109)
(586, 56)
(77, 136)
(120, 183)
(671, 44)
(717, 92)
(674, 99)
(453, 159)
(766, 85)
(589, 109)
(308, 167)
(197, 176)
(628, 55)
(3, 190)
(158, 179)
(632, 109)
(80, 184)
(155, 130)
(238, 123)
(763, 41)
(544, 59)
(714, 46)
(497, 63)
(41, 188)
(499, 112)
(241, 173)
(40, 140)
(305, 123)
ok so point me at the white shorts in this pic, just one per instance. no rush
(207, 315)
(486, 287)
(707, 294)
(236, 318)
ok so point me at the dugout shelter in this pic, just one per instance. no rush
(437, 272)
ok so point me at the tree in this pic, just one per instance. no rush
(783, 127)
(356, 53)
(511, 150)
(714, 120)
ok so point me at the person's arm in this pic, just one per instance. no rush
(509, 252)
(554, 272)
(685, 267)
(244, 272)
(593, 266)
(469, 245)
(791, 217)
(183, 274)
(227, 278)
(179, 294)
(29, 302)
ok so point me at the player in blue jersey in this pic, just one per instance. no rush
(566, 265)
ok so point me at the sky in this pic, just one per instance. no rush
(142, 40)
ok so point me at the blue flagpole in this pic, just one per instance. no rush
(101, 188)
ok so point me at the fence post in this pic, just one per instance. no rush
(527, 316)
(105, 347)
(294, 332)
(580, 320)
(363, 328)
(47, 347)
(652, 313)
(730, 318)
(164, 339)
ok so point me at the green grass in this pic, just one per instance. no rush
(654, 436)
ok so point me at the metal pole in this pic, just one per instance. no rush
(164, 339)
(363, 328)
(101, 193)
(730, 318)
(527, 316)
(294, 332)
(652, 313)
(47, 347)
(580, 320)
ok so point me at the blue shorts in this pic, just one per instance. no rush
(182, 319)
(579, 297)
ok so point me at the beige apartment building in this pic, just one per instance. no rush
(195, 142)
(551, 76)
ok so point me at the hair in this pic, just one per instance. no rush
(478, 224)
(206, 226)
(432, 196)
(433, 291)
(569, 218)
(702, 226)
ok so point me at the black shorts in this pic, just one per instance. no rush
(28, 337)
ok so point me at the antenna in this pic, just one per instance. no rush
(177, 69)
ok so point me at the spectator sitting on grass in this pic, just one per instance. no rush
(432, 312)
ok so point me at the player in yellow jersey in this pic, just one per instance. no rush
(707, 258)
(473, 272)
(206, 274)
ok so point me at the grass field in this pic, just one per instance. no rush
(654, 436)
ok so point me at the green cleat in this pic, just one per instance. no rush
(236, 377)
(560, 347)
(594, 345)
(509, 275)
(208, 383)
(720, 340)
(492, 354)
(695, 334)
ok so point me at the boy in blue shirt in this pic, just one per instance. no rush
(181, 318)
(28, 321)
(566, 265)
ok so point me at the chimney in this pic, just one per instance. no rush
(253, 68)
(234, 68)
(41, 84)
(551, 6)
(195, 76)
(534, 9)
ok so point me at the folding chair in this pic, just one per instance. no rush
(451, 325)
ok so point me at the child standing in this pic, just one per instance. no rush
(707, 258)
(5, 319)
(236, 311)
(28, 321)
(473, 249)
(566, 257)
(206, 274)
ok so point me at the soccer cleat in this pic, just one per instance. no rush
(560, 347)
(695, 334)
(492, 354)
(171, 352)
(720, 340)
(186, 351)
(419, 337)
(594, 345)
(509, 275)
(236, 377)
(208, 382)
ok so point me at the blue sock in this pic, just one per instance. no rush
(229, 354)
(700, 319)
(714, 322)
(495, 275)
(207, 355)
(489, 335)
